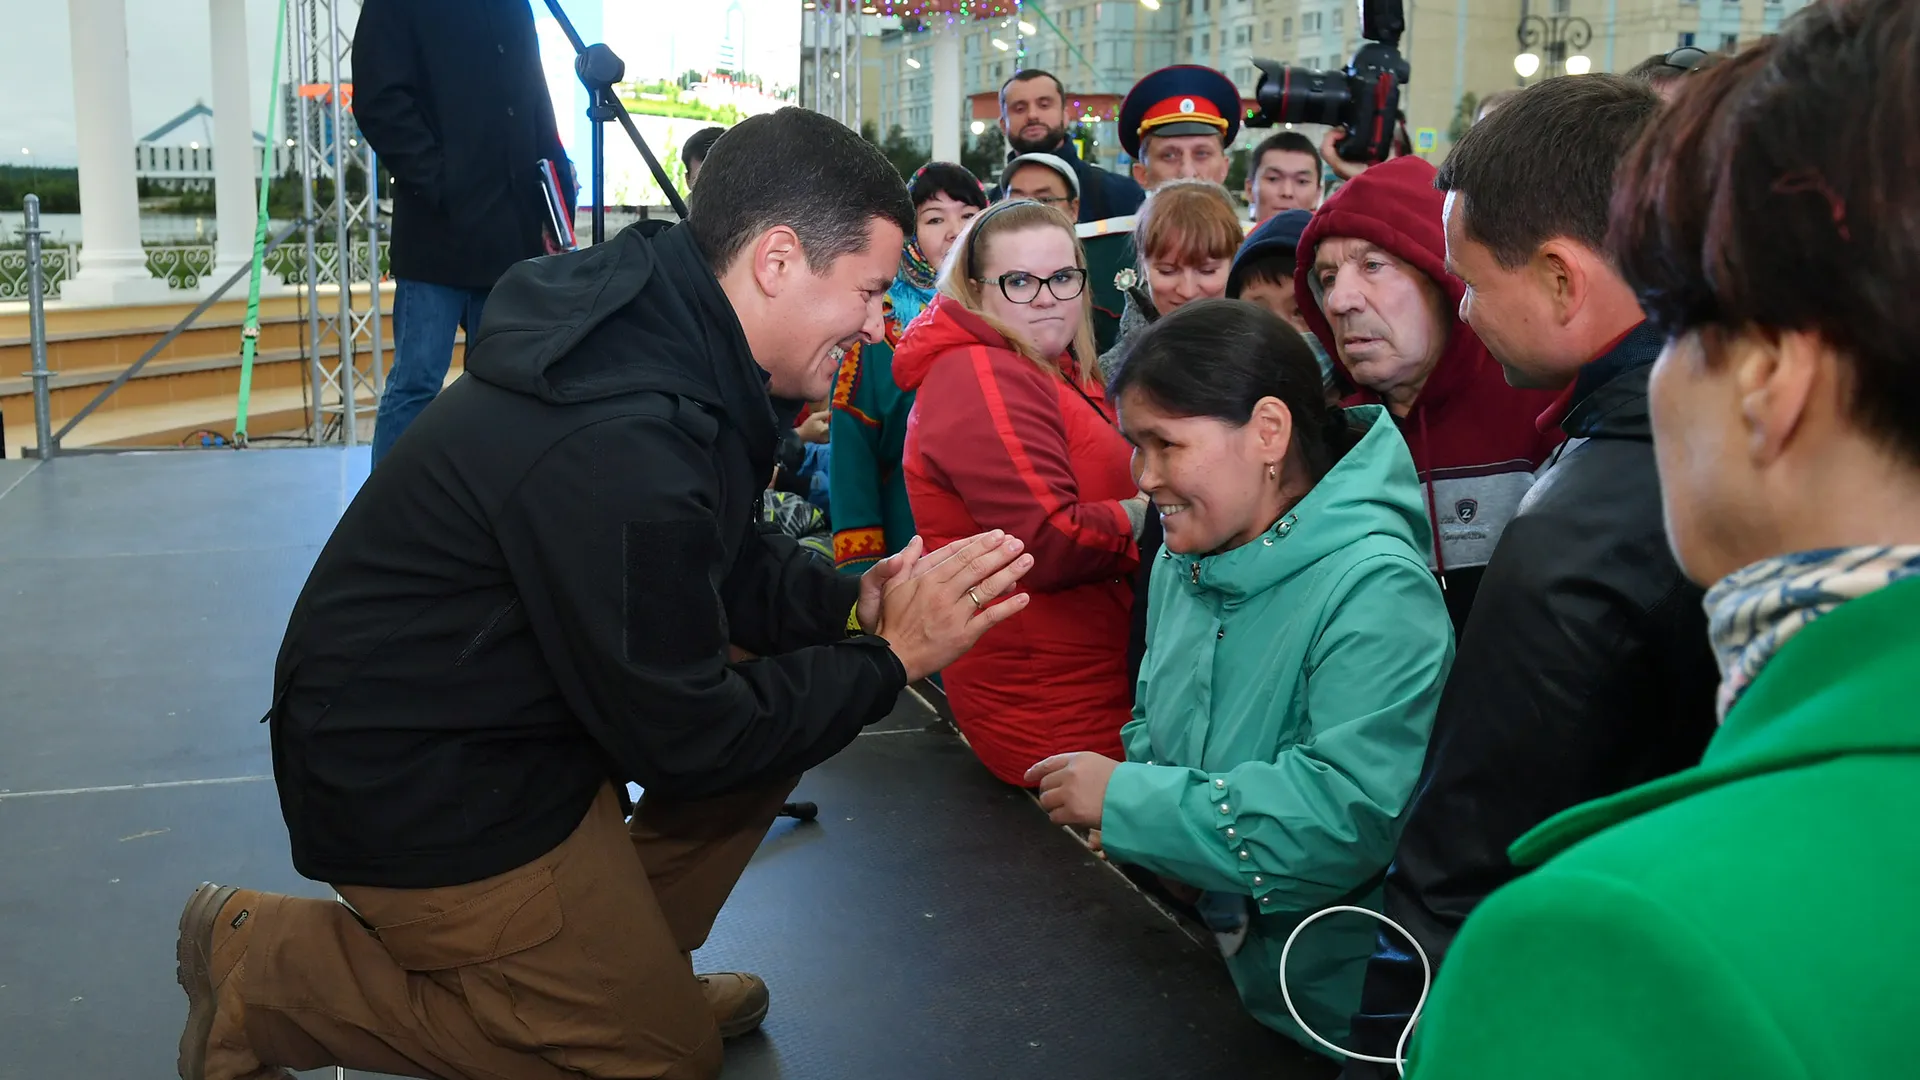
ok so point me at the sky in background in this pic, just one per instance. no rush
(169, 56)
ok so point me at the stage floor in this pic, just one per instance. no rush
(931, 923)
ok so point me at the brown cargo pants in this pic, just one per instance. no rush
(576, 963)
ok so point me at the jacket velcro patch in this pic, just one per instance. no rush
(671, 613)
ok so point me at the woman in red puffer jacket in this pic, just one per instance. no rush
(1010, 430)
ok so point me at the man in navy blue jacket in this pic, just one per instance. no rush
(1033, 116)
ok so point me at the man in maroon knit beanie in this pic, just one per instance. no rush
(1372, 283)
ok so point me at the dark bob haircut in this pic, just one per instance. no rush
(1781, 192)
(945, 178)
(1219, 359)
(700, 144)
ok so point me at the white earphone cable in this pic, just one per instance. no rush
(1399, 1058)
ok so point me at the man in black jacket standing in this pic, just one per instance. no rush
(531, 602)
(451, 95)
(1033, 117)
(1584, 668)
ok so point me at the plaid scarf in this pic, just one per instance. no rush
(1754, 610)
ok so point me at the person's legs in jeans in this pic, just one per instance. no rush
(425, 316)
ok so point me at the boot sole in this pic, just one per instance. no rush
(746, 1023)
(193, 953)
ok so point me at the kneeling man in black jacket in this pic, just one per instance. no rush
(1584, 668)
(531, 602)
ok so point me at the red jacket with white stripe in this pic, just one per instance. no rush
(1475, 440)
(997, 442)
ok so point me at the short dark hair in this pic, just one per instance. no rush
(800, 169)
(1028, 75)
(1219, 358)
(1491, 102)
(700, 144)
(1274, 268)
(1778, 193)
(1291, 142)
(945, 178)
(1663, 68)
(1542, 164)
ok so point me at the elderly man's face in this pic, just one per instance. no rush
(1390, 322)
(1041, 184)
(1180, 157)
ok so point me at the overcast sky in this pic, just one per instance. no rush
(168, 59)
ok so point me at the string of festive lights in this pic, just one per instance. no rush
(951, 10)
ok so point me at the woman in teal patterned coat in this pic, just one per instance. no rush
(871, 519)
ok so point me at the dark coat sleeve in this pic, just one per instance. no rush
(391, 100)
(619, 556)
(781, 598)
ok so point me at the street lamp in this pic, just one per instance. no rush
(1579, 64)
(1554, 35)
(978, 127)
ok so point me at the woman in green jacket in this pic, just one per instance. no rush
(1754, 916)
(1295, 653)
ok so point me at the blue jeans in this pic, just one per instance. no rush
(424, 318)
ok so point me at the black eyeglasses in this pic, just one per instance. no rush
(1024, 288)
(1685, 58)
(1047, 200)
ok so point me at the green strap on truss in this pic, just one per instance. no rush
(250, 334)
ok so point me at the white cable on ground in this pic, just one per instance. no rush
(1399, 1058)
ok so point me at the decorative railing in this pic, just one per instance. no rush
(183, 265)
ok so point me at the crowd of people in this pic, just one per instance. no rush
(1517, 550)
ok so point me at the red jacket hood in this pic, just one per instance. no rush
(944, 326)
(1396, 206)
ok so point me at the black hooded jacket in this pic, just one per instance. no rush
(1583, 670)
(535, 591)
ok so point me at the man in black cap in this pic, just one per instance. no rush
(1033, 116)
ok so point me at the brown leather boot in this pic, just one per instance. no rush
(738, 1000)
(214, 931)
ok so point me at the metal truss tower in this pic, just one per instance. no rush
(342, 228)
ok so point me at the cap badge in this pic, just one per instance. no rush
(1186, 105)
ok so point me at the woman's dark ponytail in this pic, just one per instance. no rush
(1219, 358)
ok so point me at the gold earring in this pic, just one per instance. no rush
(1273, 472)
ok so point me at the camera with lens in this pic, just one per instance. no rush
(1364, 99)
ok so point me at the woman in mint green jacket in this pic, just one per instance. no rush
(1296, 649)
(1754, 916)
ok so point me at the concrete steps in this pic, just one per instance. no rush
(190, 387)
